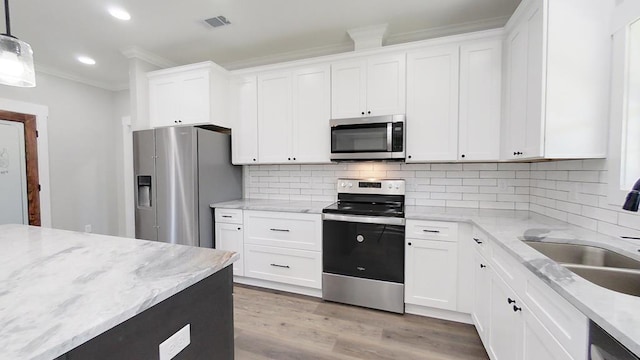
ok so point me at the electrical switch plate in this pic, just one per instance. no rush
(87, 228)
(175, 343)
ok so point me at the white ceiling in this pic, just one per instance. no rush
(262, 31)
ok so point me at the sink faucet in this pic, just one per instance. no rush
(633, 198)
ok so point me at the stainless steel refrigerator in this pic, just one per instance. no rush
(179, 172)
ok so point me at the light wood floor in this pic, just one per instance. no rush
(276, 325)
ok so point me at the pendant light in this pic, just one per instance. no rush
(16, 58)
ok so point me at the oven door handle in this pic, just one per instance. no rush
(382, 220)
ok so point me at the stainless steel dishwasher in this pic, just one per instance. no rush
(603, 346)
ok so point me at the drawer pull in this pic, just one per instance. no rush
(477, 241)
(281, 230)
(281, 266)
(432, 231)
(510, 301)
(516, 309)
(227, 216)
(482, 266)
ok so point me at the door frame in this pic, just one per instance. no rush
(128, 179)
(34, 117)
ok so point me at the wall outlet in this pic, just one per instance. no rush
(87, 228)
(175, 343)
(502, 184)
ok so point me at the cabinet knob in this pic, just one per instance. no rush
(516, 309)
(288, 158)
(363, 113)
(368, 112)
(409, 244)
(515, 153)
(478, 241)
(254, 159)
(239, 228)
(462, 156)
(510, 301)
(294, 158)
(409, 156)
(482, 266)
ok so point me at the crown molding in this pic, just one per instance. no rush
(454, 29)
(289, 56)
(136, 52)
(80, 79)
(369, 37)
(346, 47)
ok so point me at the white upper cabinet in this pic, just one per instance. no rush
(189, 95)
(432, 104)
(372, 86)
(244, 111)
(480, 100)
(557, 80)
(311, 134)
(274, 117)
(293, 116)
(453, 102)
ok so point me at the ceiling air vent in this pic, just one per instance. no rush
(218, 21)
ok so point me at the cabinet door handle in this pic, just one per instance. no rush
(477, 241)
(511, 301)
(281, 230)
(516, 309)
(482, 266)
(432, 231)
(281, 266)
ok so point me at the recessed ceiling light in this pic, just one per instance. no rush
(86, 60)
(119, 13)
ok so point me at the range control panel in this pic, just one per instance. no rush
(371, 186)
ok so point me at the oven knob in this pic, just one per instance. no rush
(390, 186)
(349, 185)
(397, 187)
(342, 184)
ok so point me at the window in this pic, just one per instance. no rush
(630, 156)
(623, 159)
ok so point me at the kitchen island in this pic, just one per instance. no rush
(77, 295)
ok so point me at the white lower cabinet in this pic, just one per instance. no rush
(518, 317)
(431, 264)
(431, 273)
(295, 267)
(230, 237)
(481, 295)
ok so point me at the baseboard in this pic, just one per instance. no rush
(438, 313)
(278, 286)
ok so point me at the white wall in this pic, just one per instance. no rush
(83, 132)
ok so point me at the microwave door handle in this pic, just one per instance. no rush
(389, 136)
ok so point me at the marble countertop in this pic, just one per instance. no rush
(59, 289)
(311, 207)
(615, 312)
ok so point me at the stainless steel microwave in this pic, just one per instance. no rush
(368, 138)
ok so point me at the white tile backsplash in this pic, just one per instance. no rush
(570, 190)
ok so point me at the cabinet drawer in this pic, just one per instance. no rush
(295, 267)
(432, 230)
(229, 216)
(286, 230)
(566, 323)
(481, 241)
(508, 268)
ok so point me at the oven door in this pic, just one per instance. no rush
(364, 247)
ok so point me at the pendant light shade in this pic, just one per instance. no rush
(16, 58)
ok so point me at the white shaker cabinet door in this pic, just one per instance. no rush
(196, 103)
(311, 112)
(431, 273)
(348, 89)
(230, 237)
(432, 104)
(274, 117)
(164, 101)
(480, 99)
(386, 85)
(481, 296)
(244, 136)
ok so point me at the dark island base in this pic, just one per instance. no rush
(206, 305)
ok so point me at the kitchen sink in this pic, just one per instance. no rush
(602, 267)
(625, 281)
(584, 255)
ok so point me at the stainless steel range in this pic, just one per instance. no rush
(363, 245)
